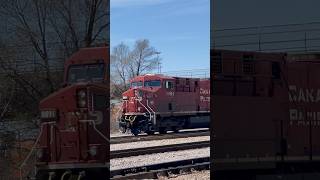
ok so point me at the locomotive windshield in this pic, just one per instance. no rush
(136, 84)
(84, 73)
(155, 83)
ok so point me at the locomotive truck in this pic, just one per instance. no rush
(161, 103)
(74, 135)
(266, 112)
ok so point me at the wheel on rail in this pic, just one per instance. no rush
(135, 132)
(150, 129)
(162, 130)
(175, 129)
(150, 132)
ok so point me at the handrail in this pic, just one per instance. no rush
(64, 174)
(154, 113)
(95, 128)
(145, 108)
(33, 147)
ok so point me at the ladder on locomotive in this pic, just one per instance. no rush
(151, 112)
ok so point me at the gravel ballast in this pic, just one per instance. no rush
(143, 160)
(192, 176)
(141, 144)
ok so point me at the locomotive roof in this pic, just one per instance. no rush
(150, 77)
(298, 57)
(86, 55)
(313, 56)
(155, 77)
(247, 52)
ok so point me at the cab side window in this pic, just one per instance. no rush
(169, 85)
(276, 70)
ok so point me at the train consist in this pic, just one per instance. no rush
(161, 103)
(266, 113)
(74, 135)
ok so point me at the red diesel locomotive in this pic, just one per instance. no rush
(74, 135)
(161, 103)
(266, 111)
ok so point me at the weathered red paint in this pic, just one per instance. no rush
(67, 142)
(260, 117)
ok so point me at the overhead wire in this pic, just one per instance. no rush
(257, 37)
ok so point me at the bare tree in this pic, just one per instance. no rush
(120, 65)
(41, 34)
(6, 96)
(80, 23)
(46, 26)
(144, 58)
(126, 64)
(30, 19)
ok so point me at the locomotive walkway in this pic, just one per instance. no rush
(184, 134)
(158, 149)
(161, 169)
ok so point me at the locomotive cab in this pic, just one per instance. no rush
(74, 120)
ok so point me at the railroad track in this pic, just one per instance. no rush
(184, 134)
(161, 169)
(158, 149)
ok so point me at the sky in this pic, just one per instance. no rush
(235, 13)
(252, 13)
(179, 29)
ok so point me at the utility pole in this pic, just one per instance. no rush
(159, 63)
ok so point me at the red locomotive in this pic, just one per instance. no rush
(162, 103)
(73, 139)
(265, 110)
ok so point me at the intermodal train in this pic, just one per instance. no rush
(161, 103)
(74, 135)
(266, 114)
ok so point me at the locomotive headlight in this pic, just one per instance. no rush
(82, 98)
(125, 98)
(93, 150)
(82, 94)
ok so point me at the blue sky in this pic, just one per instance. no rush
(179, 29)
(233, 14)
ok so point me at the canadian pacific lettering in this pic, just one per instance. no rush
(303, 95)
(300, 116)
(204, 95)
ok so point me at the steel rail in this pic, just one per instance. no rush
(158, 149)
(184, 134)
